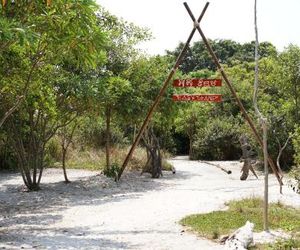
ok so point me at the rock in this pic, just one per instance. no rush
(241, 238)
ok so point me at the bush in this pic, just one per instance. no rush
(296, 144)
(53, 151)
(93, 134)
(8, 159)
(112, 171)
(296, 169)
(218, 140)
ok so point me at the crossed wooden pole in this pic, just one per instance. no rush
(277, 172)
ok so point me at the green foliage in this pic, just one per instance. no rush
(296, 143)
(122, 38)
(53, 151)
(84, 158)
(112, 171)
(7, 157)
(146, 76)
(225, 222)
(229, 52)
(296, 168)
(290, 244)
(42, 71)
(93, 133)
(217, 140)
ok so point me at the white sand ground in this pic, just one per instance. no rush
(94, 212)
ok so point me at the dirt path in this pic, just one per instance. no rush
(93, 212)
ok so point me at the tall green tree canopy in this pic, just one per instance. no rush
(44, 70)
(229, 52)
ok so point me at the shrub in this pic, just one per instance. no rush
(53, 150)
(296, 143)
(112, 171)
(296, 169)
(93, 134)
(218, 140)
(8, 160)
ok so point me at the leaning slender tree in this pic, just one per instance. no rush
(262, 120)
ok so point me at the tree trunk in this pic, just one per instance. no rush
(247, 158)
(27, 158)
(64, 153)
(154, 161)
(66, 140)
(107, 146)
(191, 153)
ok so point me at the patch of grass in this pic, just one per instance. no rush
(95, 159)
(89, 159)
(290, 244)
(92, 159)
(225, 222)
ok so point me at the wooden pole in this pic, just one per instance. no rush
(263, 121)
(266, 179)
(160, 95)
(277, 173)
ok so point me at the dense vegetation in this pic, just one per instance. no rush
(70, 74)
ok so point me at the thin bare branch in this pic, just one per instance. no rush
(11, 110)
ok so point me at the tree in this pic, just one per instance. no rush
(229, 52)
(11, 33)
(121, 51)
(66, 134)
(113, 100)
(290, 63)
(68, 34)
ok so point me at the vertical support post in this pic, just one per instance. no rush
(160, 95)
(234, 94)
(266, 179)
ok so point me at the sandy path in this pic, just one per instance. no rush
(93, 212)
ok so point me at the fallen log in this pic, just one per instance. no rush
(218, 166)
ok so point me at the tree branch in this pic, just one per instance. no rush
(11, 110)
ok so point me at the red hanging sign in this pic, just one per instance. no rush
(198, 83)
(197, 98)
